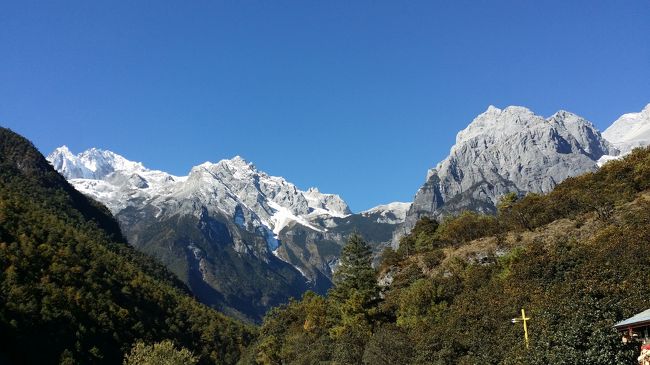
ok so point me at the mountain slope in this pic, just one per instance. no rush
(73, 291)
(509, 150)
(576, 259)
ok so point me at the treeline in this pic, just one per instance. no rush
(73, 292)
(576, 259)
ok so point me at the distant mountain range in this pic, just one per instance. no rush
(244, 241)
(241, 239)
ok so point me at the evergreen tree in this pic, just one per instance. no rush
(355, 275)
(354, 298)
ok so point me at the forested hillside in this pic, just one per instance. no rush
(73, 292)
(577, 259)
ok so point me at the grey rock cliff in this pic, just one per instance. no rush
(509, 150)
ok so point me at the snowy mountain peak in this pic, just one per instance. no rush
(512, 109)
(239, 162)
(565, 115)
(331, 204)
(91, 164)
(517, 110)
(629, 131)
(231, 186)
(392, 213)
(492, 110)
(235, 168)
(63, 151)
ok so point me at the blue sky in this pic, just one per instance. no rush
(358, 98)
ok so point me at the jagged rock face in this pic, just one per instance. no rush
(509, 150)
(225, 266)
(326, 203)
(242, 240)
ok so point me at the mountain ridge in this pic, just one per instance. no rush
(264, 217)
(230, 215)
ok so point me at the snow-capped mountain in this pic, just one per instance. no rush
(230, 185)
(91, 164)
(111, 178)
(508, 150)
(629, 131)
(235, 234)
(392, 213)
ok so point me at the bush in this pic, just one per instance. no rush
(433, 258)
(466, 227)
(160, 353)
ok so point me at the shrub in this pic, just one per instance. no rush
(160, 353)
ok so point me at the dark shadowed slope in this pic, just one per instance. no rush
(72, 290)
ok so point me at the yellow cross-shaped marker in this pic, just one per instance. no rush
(523, 319)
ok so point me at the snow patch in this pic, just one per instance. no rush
(282, 217)
(628, 132)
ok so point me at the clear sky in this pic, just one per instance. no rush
(358, 97)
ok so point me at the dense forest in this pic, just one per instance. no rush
(576, 259)
(73, 292)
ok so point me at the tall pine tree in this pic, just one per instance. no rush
(355, 274)
(354, 296)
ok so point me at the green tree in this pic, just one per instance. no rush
(421, 238)
(527, 213)
(355, 274)
(160, 353)
(354, 297)
(389, 257)
(466, 227)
